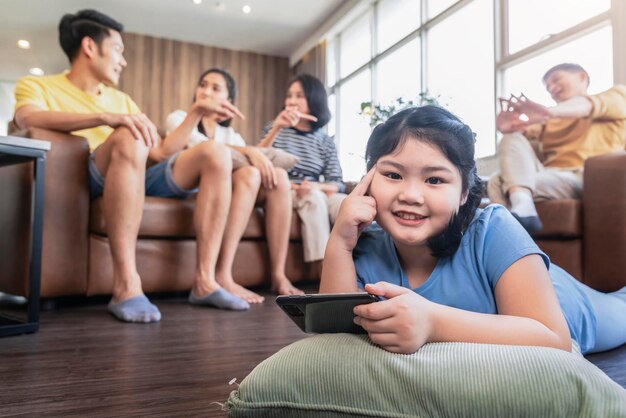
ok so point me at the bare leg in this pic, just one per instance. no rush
(122, 161)
(208, 166)
(278, 211)
(246, 183)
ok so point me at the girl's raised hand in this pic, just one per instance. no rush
(357, 211)
(223, 108)
(402, 323)
(290, 117)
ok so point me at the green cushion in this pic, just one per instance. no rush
(342, 374)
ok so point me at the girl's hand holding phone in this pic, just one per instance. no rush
(357, 211)
(402, 323)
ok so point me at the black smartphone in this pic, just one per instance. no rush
(325, 313)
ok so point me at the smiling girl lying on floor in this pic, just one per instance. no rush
(449, 271)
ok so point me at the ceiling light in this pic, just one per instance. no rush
(36, 71)
(247, 9)
(23, 43)
(197, 1)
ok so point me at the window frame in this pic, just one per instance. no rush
(502, 58)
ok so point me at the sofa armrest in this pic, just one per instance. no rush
(604, 220)
(66, 213)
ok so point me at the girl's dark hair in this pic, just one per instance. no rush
(316, 98)
(230, 86)
(438, 127)
(90, 23)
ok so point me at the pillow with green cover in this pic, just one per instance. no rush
(333, 375)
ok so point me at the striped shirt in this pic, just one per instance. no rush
(317, 153)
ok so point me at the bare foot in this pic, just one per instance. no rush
(284, 287)
(245, 294)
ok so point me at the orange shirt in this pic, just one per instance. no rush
(567, 143)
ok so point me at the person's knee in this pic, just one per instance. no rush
(512, 137)
(248, 177)
(515, 143)
(282, 180)
(495, 189)
(125, 148)
(334, 205)
(214, 156)
(317, 199)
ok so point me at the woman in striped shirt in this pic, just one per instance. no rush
(317, 179)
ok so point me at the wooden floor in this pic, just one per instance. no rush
(83, 362)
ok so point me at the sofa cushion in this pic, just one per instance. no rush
(168, 218)
(335, 375)
(561, 218)
(278, 157)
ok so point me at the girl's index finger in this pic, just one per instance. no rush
(361, 188)
(308, 117)
(234, 109)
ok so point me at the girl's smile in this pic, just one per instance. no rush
(409, 218)
(417, 191)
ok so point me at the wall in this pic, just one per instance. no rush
(162, 74)
(7, 103)
(313, 63)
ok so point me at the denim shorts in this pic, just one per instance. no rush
(159, 180)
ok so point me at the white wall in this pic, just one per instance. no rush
(7, 104)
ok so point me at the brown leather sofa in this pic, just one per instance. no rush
(76, 259)
(588, 237)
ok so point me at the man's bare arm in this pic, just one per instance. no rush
(140, 126)
(31, 116)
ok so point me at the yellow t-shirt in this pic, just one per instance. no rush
(567, 143)
(57, 93)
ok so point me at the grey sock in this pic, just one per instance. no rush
(135, 309)
(220, 298)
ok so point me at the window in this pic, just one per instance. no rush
(531, 21)
(331, 63)
(396, 19)
(399, 73)
(332, 106)
(597, 61)
(354, 129)
(437, 6)
(356, 45)
(460, 69)
(466, 52)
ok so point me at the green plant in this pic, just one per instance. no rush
(380, 113)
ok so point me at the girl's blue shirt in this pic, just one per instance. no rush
(493, 241)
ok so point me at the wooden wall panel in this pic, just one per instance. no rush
(161, 77)
(313, 62)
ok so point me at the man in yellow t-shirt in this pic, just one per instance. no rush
(58, 94)
(578, 127)
(84, 101)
